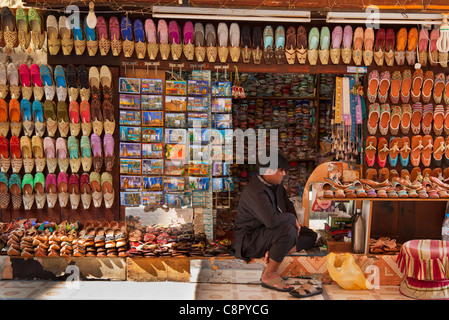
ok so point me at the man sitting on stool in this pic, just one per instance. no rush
(266, 224)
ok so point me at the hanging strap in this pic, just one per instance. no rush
(338, 99)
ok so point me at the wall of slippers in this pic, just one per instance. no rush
(57, 127)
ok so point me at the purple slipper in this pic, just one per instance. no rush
(49, 181)
(337, 35)
(97, 151)
(173, 31)
(188, 32)
(108, 145)
(347, 37)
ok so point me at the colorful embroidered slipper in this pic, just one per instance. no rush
(79, 41)
(53, 40)
(25, 79)
(5, 160)
(63, 184)
(39, 190)
(418, 76)
(438, 88)
(152, 44)
(51, 190)
(67, 41)
(383, 151)
(406, 85)
(174, 33)
(412, 43)
(373, 118)
(324, 45)
(47, 79)
(97, 152)
(279, 45)
(446, 121)
(395, 120)
(164, 45)
(314, 40)
(200, 42)
(114, 34)
(109, 158)
(9, 27)
(104, 43)
(368, 46)
(290, 46)
(438, 120)
(86, 191)
(50, 154)
(84, 85)
(4, 118)
(127, 37)
(50, 117)
(15, 188)
(384, 86)
(23, 29)
(417, 146)
(404, 152)
(4, 85)
(370, 150)
(28, 188)
(395, 89)
(5, 197)
(86, 153)
(61, 84)
(188, 45)
(139, 38)
(72, 82)
(427, 86)
(268, 43)
(27, 118)
(384, 118)
(74, 191)
(357, 47)
(74, 115)
(406, 118)
(393, 154)
(438, 151)
(346, 51)
(38, 116)
(433, 50)
(301, 43)
(27, 154)
(74, 154)
(108, 190)
(62, 154)
(335, 50)
(14, 117)
(86, 125)
(63, 118)
(95, 185)
(390, 40)
(427, 118)
(423, 41)
(379, 47)
(426, 154)
(38, 153)
(15, 154)
(91, 39)
(401, 41)
(36, 80)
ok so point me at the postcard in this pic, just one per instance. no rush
(152, 118)
(199, 168)
(130, 166)
(199, 136)
(152, 86)
(197, 87)
(174, 184)
(200, 152)
(176, 136)
(130, 182)
(130, 150)
(201, 75)
(130, 134)
(177, 199)
(221, 88)
(130, 199)
(129, 85)
(175, 152)
(175, 87)
(198, 104)
(198, 120)
(129, 101)
(152, 199)
(153, 150)
(153, 183)
(175, 120)
(129, 118)
(148, 102)
(223, 105)
(222, 153)
(152, 166)
(151, 134)
(175, 104)
(174, 168)
(222, 184)
(198, 183)
(221, 121)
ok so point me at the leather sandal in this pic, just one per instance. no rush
(404, 151)
(382, 152)
(438, 151)
(394, 150)
(426, 154)
(370, 150)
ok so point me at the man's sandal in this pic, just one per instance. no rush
(307, 289)
(277, 284)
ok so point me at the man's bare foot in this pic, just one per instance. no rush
(266, 257)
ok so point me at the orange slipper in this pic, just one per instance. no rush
(401, 41)
(3, 111)
(383, 152)
(395, 120)
(426, 154)
(438, 119)
(14, 110)
(384, 174)
(417, 146)
(416, 175)
(412, 42)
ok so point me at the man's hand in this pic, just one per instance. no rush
(298, 226)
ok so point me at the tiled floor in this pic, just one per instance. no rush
(128, 290)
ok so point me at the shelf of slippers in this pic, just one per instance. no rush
(56, 162)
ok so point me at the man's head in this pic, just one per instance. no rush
(273, 174)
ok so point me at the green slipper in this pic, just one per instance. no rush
(73, 146)
(14, 180)
(28, 180)
(324, 38)
(314, 38)
(49, 110)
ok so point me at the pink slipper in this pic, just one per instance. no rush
(162, 31)
(337, 36)
(74, 112)
(102, 28)
(85, 111)
(49, 148)
(173, 31)
(61, 148)
(35, 75)
(188, 32)
(25, 77)
(150, 31)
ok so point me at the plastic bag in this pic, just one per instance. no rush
(343, 270)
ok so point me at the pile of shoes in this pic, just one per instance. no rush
(384, 245)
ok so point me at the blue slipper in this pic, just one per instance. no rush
(25, 110)
(139, 34)
(46, 75)
(280, 37)
(60, 77)
(38, 111)
(78, 32)
(268, 37)
(90, 33)
(126, 30)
